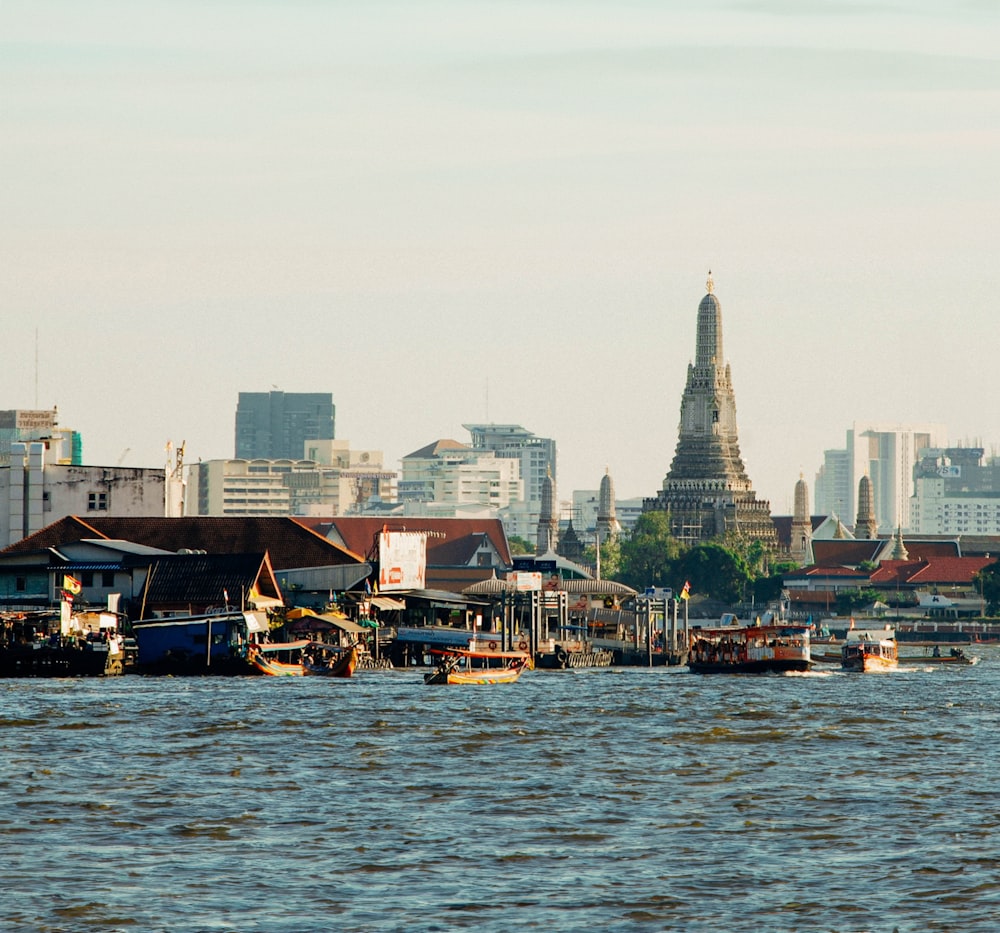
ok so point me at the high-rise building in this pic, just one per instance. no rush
(276, 425)
(887, 453)
(707, 492)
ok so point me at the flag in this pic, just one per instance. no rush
(368, 587)
(375, 588)
(225, 593)
(71, 584)
(686, 591)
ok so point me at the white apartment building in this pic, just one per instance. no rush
(451, 474)
(39, 487)
(956, 492)
(332, 480)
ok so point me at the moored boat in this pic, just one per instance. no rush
(749, 649)
(465, 666)
(869, 650)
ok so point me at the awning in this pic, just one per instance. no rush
(386, 603)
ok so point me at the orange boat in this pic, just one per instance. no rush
(465, 666)
(868, 650)
(262, 658)
(343, 664)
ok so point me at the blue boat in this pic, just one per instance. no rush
(203, 644)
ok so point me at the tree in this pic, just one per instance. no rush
(519, 545)
(713, 569)
(611, 558)
(988, 583)
(648, 552)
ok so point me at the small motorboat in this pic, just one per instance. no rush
(868, 650)
(464, 666)
(331, 661)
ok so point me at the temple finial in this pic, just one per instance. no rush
(710, 285)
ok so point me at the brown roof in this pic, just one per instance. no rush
(845, 552)
(289, 543)
(360, 534)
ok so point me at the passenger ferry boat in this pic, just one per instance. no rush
(868, 650)
(754, 648)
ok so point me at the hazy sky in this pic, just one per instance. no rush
(457, 211)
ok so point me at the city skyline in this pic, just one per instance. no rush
(510, 220)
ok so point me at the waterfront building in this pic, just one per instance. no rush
(332, 480)
(886, 453)
(707, 492)
(38, 487)
(276, 425)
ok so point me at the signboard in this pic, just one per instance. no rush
(402, 557)
(658, 592)
(530, 564)
(950, 471)
(526, 582)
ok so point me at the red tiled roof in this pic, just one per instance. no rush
(936, 572)
(289, 543)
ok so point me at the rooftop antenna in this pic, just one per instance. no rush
(36, 369)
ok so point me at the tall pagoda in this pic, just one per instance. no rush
(707, 492)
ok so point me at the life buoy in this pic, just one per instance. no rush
(493, 646)
(522, 645)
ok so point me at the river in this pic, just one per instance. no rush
(604, 800)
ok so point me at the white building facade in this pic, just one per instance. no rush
(35, 491)
(334, 480)
(956, 492)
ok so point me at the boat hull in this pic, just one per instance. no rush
(345, 666)
(768, 666)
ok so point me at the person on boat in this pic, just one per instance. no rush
(936, 653)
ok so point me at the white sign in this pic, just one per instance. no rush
(527, 581)
(402, 560)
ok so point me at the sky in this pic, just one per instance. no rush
(459, 211)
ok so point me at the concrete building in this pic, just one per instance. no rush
(956, 491)
(39, 425)
(707, 492)
(536, 455)
(886, 453)
(450, 474)
(37, 489)
(333, 480)
(276, 425)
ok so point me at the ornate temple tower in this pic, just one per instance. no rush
(548, 522)
(608, 526)
(866, 526)
(707, 491)
(801, 532)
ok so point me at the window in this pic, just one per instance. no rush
(108, 579)
(87, 578)
(97, 502)
(21, 584)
